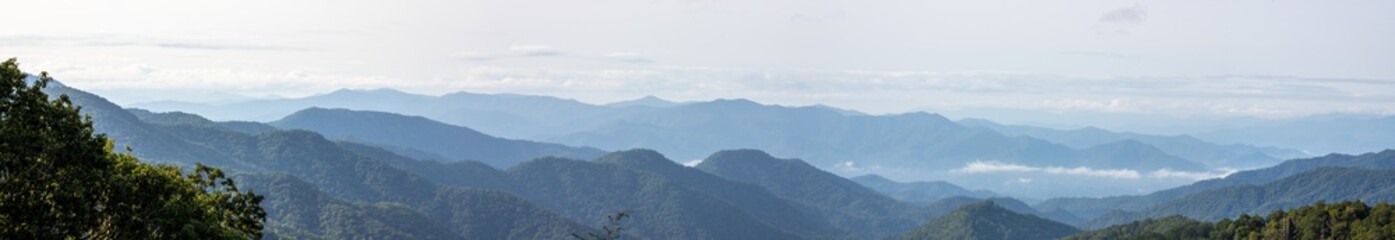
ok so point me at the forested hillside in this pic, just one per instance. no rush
(1184, 146)
(353, 189)
(918, 192)
(1092, 207)
(407, 133)
(384, 175)
(357, 185)
(985, 220)
(1342, 220)
(846, 204)
(1323, 184)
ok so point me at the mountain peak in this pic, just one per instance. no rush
(737, 102)
(366, 92)
(844, 112)
(985, 206)
(642, 158)
(321, 113)
(935, 117)
(742, 154)
(987, 220)
(872, 178)
(646, 101)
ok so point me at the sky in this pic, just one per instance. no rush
(1248, 58)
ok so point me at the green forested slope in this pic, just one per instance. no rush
(408, 132)
(754, 200)
(1322, 184)
(359, 183)
(846, 204)
(1320, 220)
(1092, 207)
(985, 220)
(660, 209)
(918, 192)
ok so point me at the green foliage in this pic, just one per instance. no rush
(612, 229)
(58, 179)
(1344, 220)
(1174, 227)
(986, 220)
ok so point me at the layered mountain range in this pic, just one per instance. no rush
(908, 147)
(339, 173)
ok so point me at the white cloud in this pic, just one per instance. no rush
(1198, 176)
(534, 50)
(692, 163)
(1132, 15)
(515, 51)
(140, 77)
(622, 55)
(976, 167)
(628, 57)
(1085, 171)
(875, 92)
(848, 167)
(852, 168)
(995, 166)
(474, 56)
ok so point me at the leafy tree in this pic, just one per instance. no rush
(612, 229)
(59, 179)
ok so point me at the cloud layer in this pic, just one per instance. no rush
(980, 167)
(1131, 15)
(867, 91)
(1187, 57)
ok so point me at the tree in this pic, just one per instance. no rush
(59, 179)
(612, 229)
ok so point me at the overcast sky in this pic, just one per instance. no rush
(1270, 58)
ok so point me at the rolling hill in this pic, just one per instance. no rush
(1184, 146)
(985, 220)
(1091, 207)
(405, 133)
(918, 192)
(846, 204)
(323, 190)
(1322, 184)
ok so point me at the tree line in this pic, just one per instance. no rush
(1321, 220)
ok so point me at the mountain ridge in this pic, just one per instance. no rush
(415, 132)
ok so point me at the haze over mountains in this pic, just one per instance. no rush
(336, 173)
(971, 152)
(412, 135)
(702, 120)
